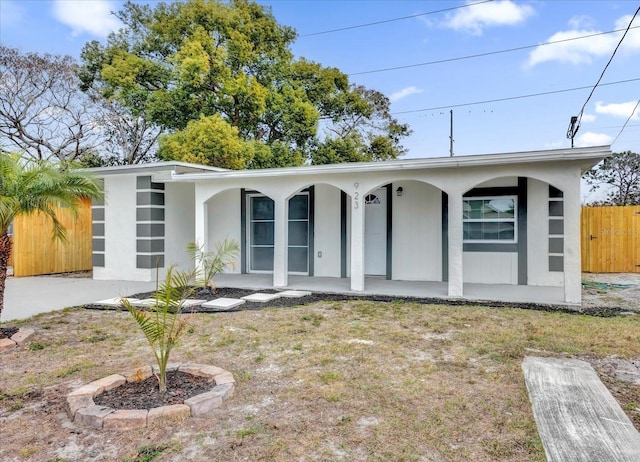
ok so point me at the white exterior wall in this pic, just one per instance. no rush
(499, 183)
(179, 227)
(120, 232)
(538, 237)
(224, 221)
(490, 267)
(417, 232)
(326, 231)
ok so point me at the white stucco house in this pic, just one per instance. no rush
(499, 227)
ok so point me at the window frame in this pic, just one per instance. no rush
(249, 227)
(513, 220)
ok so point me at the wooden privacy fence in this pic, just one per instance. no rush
(611, 239)
(35, 252)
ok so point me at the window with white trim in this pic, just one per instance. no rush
(490, 219)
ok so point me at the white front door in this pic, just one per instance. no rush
(375, 233)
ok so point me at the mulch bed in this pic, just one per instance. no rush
(146, 395)
(283, 302)
(7, 332)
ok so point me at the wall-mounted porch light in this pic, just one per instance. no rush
(399, 191)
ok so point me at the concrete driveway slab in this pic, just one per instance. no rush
(28, 296)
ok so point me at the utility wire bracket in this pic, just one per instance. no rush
(573, 128)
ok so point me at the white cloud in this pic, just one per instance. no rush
(88, 16)
(619, 109)
(632, 40)
(582, 51)
(408, 91)
(588, 117)
(475, 18)
(581, 22)
(11, 13)
(593, 139)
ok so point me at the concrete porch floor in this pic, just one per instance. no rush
(420, 289)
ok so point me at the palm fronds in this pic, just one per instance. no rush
(163, 324)
(215, 262)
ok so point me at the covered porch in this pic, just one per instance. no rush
(544, 295)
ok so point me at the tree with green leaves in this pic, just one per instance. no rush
(28, 186)
(191, 65)
(619, 176)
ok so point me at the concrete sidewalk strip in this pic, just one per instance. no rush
(577, 417)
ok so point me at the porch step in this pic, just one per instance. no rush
(223, 304)
(260, 297)
(577, 417)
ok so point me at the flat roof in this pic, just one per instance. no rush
(175, 166)
(587, 156)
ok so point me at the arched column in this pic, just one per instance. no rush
(455, 288)
(572, 257)
(357, 243)
(201, 224)
(280, 243)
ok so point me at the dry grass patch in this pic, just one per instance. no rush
(357, 380)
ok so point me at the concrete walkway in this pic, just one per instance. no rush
(27, 296)
(578, 419)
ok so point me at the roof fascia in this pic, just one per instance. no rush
(588, 157)
(180, 168)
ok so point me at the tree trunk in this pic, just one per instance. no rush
(5, 252)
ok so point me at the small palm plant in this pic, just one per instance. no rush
(215, 262)
(163, 323)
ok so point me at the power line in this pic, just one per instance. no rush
(575, 123)
(509, 98)
(488, 53)
(625, 124)
(393, 20)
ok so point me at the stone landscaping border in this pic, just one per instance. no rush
(20, 338)
(85, 413)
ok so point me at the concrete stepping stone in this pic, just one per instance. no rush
(223, 304)
(191, 302)
(116, 301)
(260, 297)
(294, 293)
(146, 302)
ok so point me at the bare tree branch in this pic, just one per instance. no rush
(42, 111)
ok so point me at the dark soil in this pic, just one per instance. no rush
(146, 395)
(625, 388)
(7, 332)
(283, 302)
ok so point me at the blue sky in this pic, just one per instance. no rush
(424, 36)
